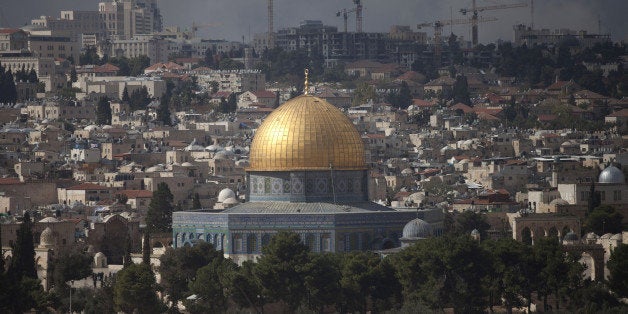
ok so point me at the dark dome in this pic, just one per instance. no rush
(611, 174)
(417, 228)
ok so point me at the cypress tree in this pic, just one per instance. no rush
(146, 249)
(103, 111)
(159, 216)
(23, 261)
(125, 95)
(163, 111)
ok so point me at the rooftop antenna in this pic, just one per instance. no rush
(531, 14)
(451, 19)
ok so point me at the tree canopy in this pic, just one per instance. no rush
(159, 215)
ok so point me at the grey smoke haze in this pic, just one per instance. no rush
(234, 19)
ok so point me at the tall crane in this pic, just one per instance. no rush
(475, 10)
(358, 15)
(345, 15)
(438, 30)
(271, 17)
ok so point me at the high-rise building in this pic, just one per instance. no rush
(127, 18)
(72, 24)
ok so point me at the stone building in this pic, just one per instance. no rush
(308, 175)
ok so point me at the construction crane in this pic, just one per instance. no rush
(345, 15)
(271, 17)
(475, 10)
(196, 27)
(438, 30)
(358, 15)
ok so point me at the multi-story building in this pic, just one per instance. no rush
(232, 81)
(54, 47)
(45, 68)
(73, 24)
(127, 18)
(155, 48)
(532, 37)
(12, 39)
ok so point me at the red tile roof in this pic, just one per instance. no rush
(9, 181)
(264, 94)
(422, 103)
(136, 193)
(9, 30)
(106, 68)
(463, 107)
(88, 186)
(620, 113)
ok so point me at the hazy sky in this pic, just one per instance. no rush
(233, 19)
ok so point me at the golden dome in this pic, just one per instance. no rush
(306, 133)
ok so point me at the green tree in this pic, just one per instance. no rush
(214, 86)
(209, 287)
(322, 281)
(594, 297)
(139, 99)
(90, 56)
(100, 300)
(603, 219)
(138, 64)
(125, 95)
(243, 286)
(135, 290)
(103, 111)
(363, 93)
(73, 75)
(23, 259)
(558, 272)
(618, 269)
(230, 64)
(8, 92)
(460, 91)
(468, 220)
(163, 111)
(445, 272)
(69, 265)
(159, 215)
(178, 268)
(512, 272)
(146, 247)
(280, 271)
(368, 280)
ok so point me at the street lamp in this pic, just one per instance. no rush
(71, 284)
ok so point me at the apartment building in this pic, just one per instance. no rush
(232, 81)
(12, 39)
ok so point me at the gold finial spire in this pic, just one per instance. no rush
(307, 84)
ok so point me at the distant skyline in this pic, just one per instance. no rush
(235, 19)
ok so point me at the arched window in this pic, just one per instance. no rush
(251, 244)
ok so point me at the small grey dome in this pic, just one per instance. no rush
(591, 236)
(225, 194)
(417, 228)
(611, 174)
(571, 237)
(559, 201)
(475, 232)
